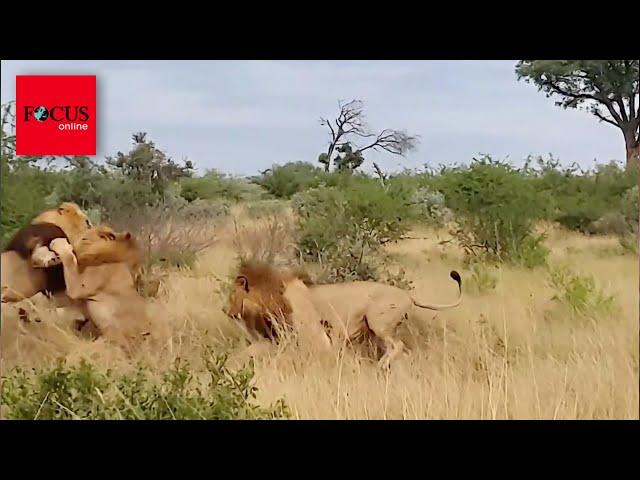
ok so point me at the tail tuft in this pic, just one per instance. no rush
(456, 276)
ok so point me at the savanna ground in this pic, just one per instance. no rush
(517, 348)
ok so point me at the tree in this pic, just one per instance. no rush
(606, 88)
(147, 164)
(350, 127)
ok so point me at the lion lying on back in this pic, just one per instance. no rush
(100, 280)
(351, 308)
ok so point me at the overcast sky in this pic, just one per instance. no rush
(244, 116)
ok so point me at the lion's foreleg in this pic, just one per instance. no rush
(80, 286)
(42, 257)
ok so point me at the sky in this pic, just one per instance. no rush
(241, 117)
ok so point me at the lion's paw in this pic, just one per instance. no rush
(60, 246)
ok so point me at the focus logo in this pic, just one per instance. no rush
(56, 115)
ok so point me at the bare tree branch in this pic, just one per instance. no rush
(350, 125)
(622, 109)
(616, 116)
(393, 141)
(605, 119)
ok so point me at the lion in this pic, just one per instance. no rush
(361, 307)
(99, 276)
(353, 308)
(28, 265)
(267, 300)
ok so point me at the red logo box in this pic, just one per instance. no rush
(55, 115)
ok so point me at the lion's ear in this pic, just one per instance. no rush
(127, 236)
(61, 210)
(243, 281)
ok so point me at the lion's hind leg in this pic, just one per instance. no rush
(383, 322)
(393, 348)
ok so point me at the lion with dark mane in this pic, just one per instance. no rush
(267, 299)
(28, 265)
(352, 308)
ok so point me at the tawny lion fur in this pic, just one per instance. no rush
(352, 308)
(100, 280)
(28, 265)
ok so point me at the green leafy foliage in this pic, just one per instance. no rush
(216, 185)
(343, 228)
(580, 82)
(580, 293)
(496, 208)
(23, 195)
(608, 89)
(577, 200)
(81, 392)
(283, 181)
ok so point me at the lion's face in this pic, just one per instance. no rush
(240, 302)
(258, 306)
(101, 244)
(68, 216)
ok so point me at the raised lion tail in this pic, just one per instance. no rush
(455, 276)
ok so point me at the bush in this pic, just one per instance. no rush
(580, 293)
(613, 222)
(343, 229)
(629, 244)
(109, 196)
(63, 392)
(23, 195)
(578, 201)
(215, 185)
(630, 208)
(496, 209)
(170, 235)
(429, 206)
(284, 181)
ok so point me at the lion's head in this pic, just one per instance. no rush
(101, 244)
(68, 216)
(257, 296)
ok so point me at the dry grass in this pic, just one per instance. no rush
(512, 352)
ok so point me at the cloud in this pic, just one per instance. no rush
(243, 116)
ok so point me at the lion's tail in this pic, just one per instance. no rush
(456, 276)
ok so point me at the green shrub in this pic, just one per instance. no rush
(23, 195)
(110, 196)
(216, 185)
(629, 244)
(343, 229)
(496, 208)
(579, 200)
(630, 208)
(531, 252)
(283, 181)
(82, 392)
(579, 292)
